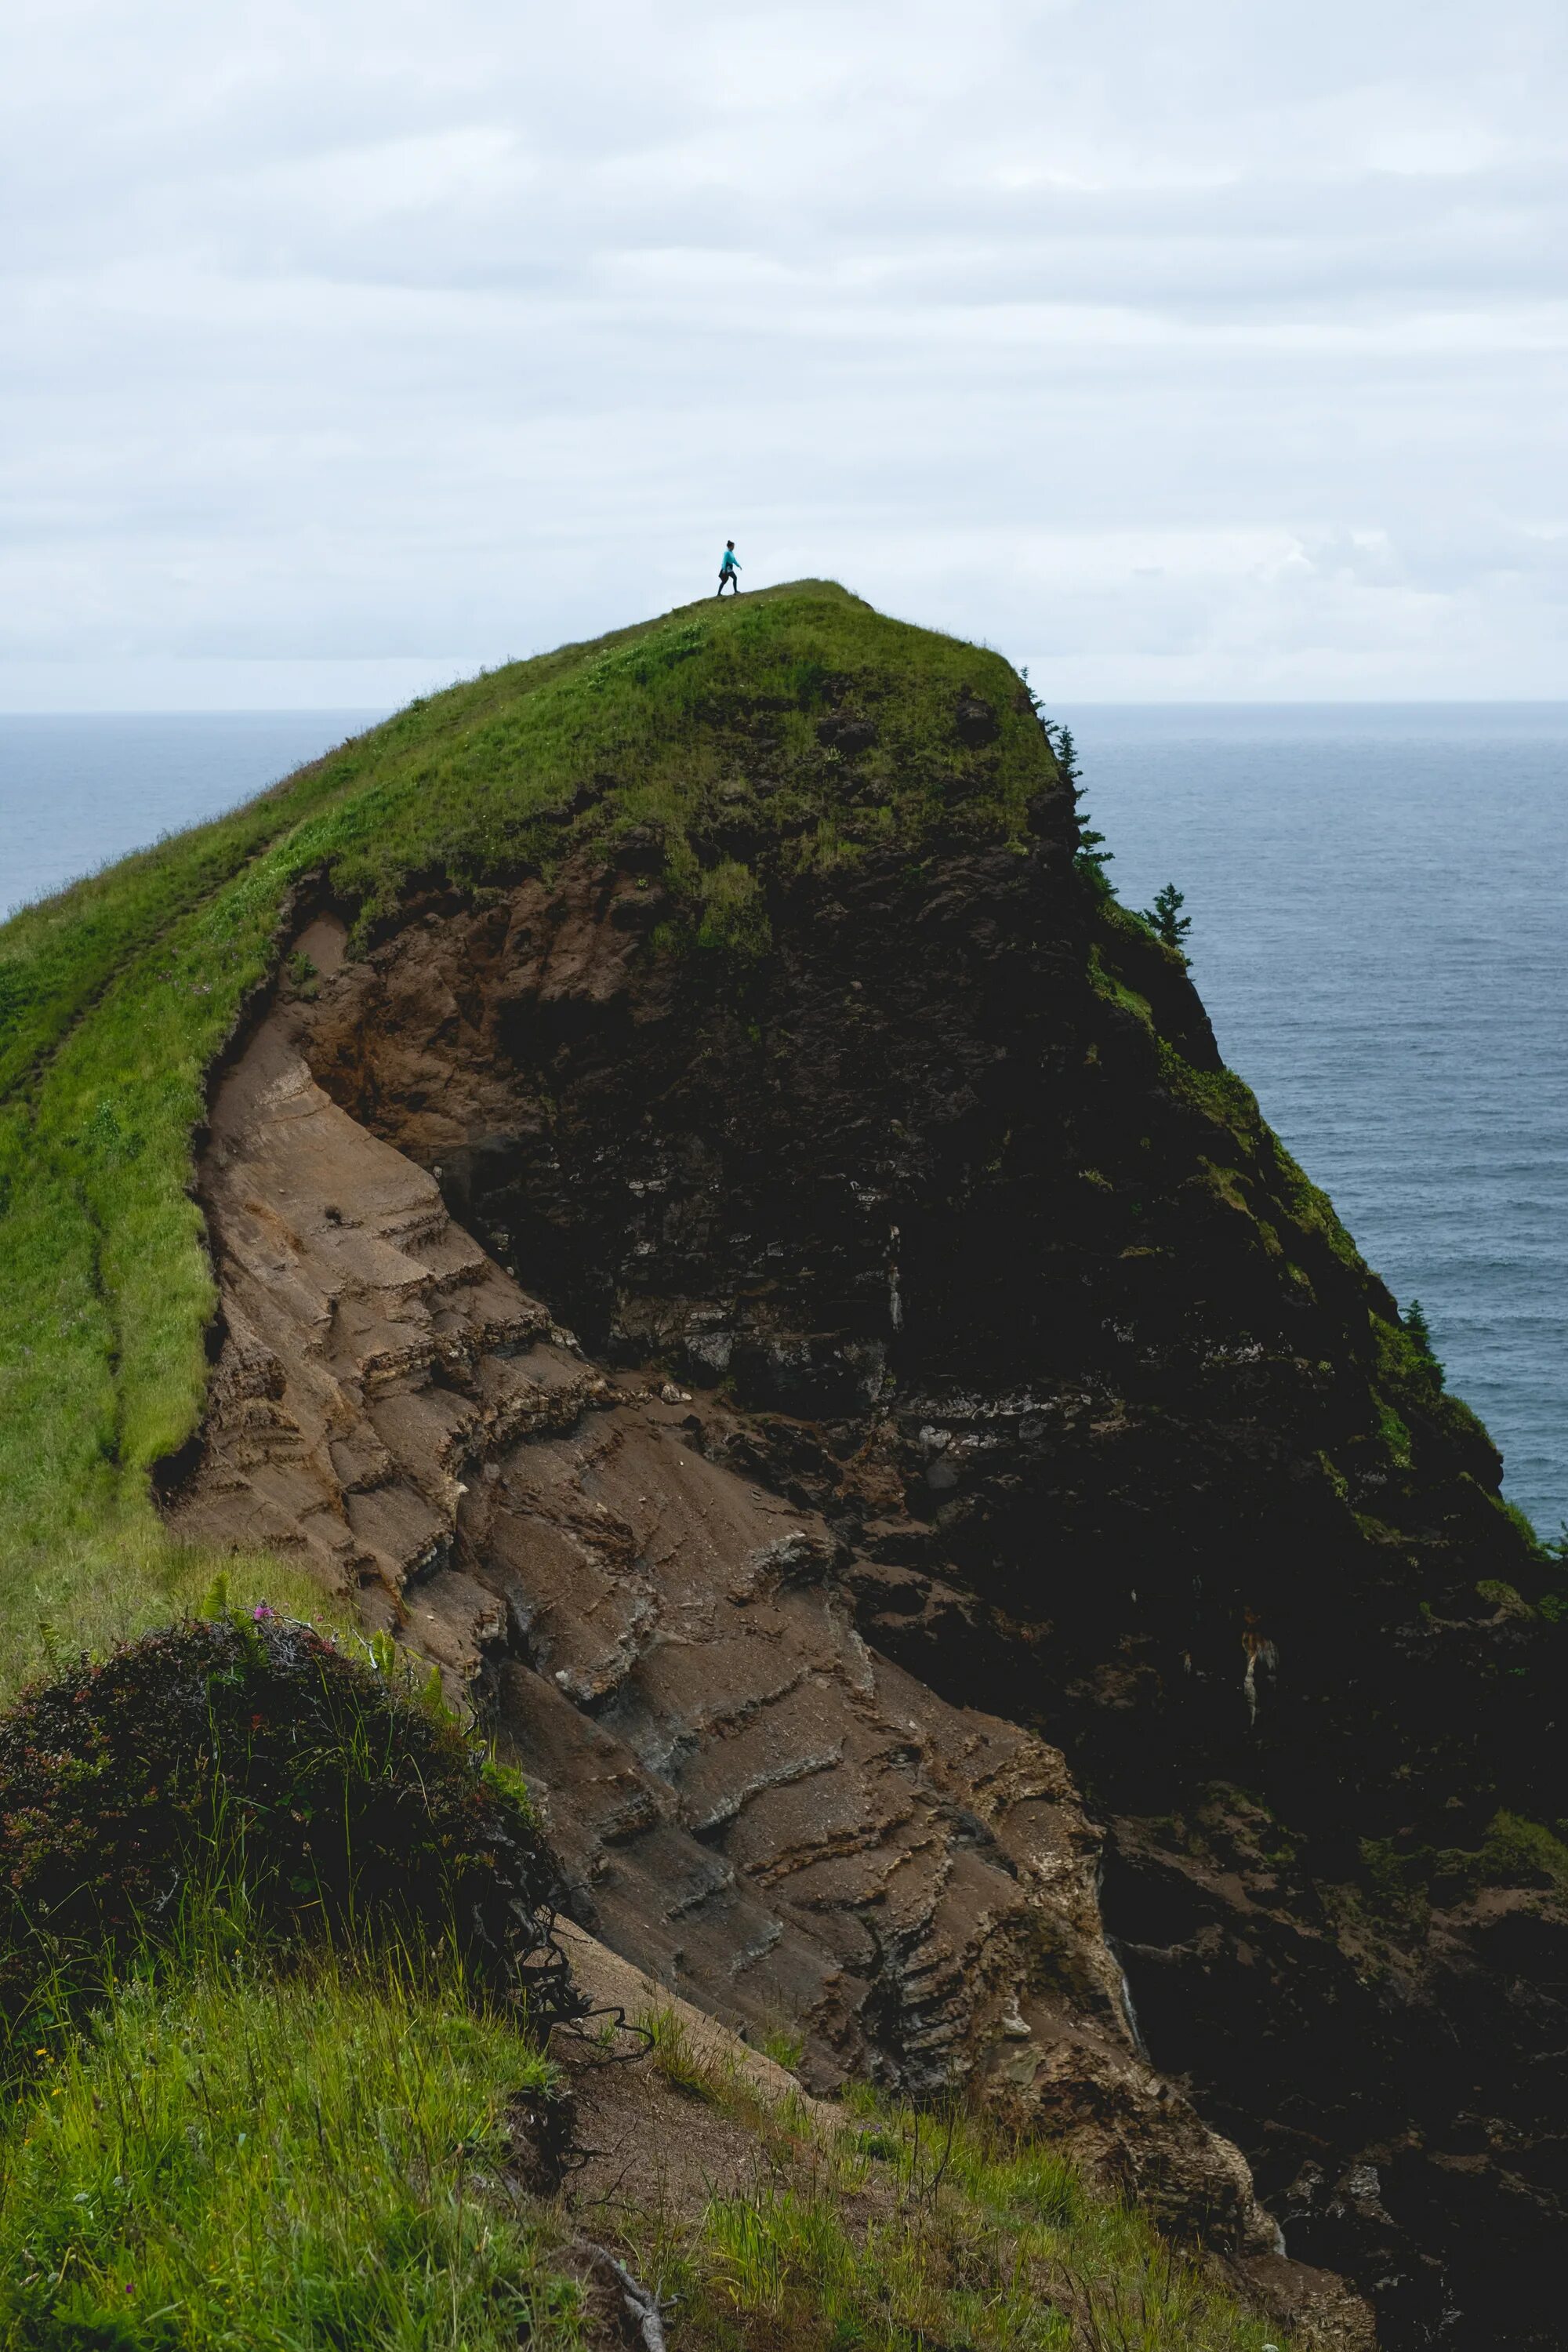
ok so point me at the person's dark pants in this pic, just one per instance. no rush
(729, 580)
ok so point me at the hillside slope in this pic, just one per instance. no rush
(727, 1009)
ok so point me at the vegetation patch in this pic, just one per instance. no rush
(919, 2230)
(337, 2159)
(244, 1782)
(1516, 1850)
(1403, 1881)
(672, 2055)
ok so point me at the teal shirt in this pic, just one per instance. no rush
(729, 563)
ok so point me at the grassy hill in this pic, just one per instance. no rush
(116, 997)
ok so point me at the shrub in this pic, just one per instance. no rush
(250, 1774)
(1518, 1850)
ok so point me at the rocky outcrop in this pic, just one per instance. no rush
(1034, 1395)
(753, 1804)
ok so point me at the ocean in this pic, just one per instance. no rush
(1378, 905)
(76, 792)
(1379, 901)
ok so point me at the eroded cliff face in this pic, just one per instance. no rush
(750, 1801)
(1034, 1398)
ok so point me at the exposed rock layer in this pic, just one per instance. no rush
(1083, 1411)
(783, 1824)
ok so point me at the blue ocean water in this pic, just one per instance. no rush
(1378, 903)
(1379, 900)
(77, 792)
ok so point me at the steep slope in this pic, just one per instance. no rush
(299, 2054)
(733, 997)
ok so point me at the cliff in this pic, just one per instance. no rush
(726, 1239)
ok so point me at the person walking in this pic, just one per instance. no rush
(728, 570)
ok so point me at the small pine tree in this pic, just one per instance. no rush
(1166, 921)
(1093, 855)
(1418, 1331)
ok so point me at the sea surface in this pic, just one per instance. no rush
(77, 793)
(1379, 900)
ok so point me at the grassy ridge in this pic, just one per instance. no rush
(116, 997)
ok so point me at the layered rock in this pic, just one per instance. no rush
(779, 1823)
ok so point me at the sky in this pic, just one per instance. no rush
(1182, 349)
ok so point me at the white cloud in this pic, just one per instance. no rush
(1211, 350)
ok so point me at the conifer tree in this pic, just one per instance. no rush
(1418, 1331)
(1166, 921)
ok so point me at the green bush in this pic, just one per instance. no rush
(1518, 1850)
(248, 1773)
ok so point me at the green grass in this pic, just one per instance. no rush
(925, 2230)
(323, 2160)
(309, 2161)
(117, 995)
(877, 2224)
(786, 2045)
(671, 2052)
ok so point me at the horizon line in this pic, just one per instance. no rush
(1094, 702)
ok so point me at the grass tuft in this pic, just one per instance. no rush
(670, 2051)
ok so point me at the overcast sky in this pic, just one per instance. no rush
(1181, 348)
